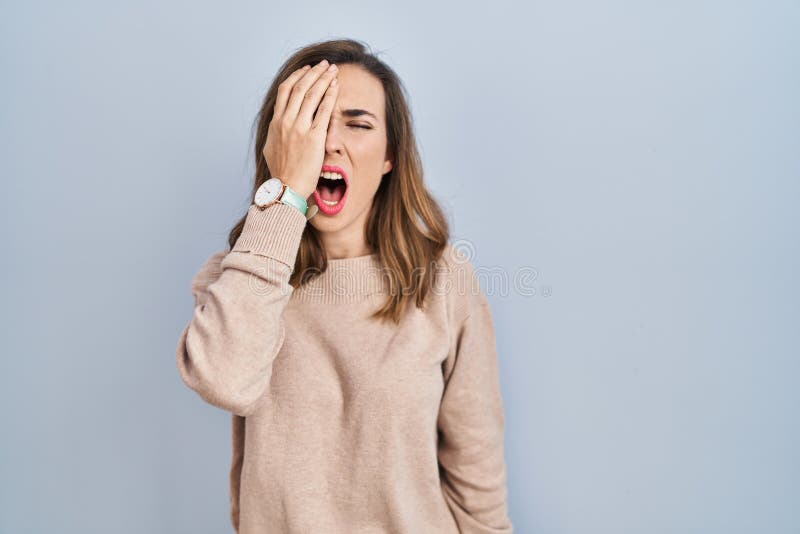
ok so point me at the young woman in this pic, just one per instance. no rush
(348, 337)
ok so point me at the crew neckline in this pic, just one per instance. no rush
(344, 280)
(353, 258)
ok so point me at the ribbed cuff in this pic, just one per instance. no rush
(274, 231)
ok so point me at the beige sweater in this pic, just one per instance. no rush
(342, 424)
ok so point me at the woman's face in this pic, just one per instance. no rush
(356, 143)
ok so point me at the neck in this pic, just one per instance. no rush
(347, 242)
(347, 252)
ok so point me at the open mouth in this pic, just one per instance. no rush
(331, 192)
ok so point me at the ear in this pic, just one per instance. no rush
(387, 165)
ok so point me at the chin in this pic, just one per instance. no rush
(325, 223)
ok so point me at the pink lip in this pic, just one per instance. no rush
(332, 210)
(334, 168)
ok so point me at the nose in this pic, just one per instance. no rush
(333, 142)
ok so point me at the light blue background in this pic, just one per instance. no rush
(650, 153)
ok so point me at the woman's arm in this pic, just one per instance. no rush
(226, 351)
(471, 422)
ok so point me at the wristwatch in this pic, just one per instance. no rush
(274, 190)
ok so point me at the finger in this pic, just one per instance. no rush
(313, 96)
(299, 91)
(285, 89)
(323, 117)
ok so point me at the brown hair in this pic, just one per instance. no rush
(406, 226)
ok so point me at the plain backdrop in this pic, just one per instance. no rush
(639, 162)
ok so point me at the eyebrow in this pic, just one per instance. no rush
(357, 113)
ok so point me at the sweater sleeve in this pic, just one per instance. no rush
(471, 422)
(225, 353)
(238, 433)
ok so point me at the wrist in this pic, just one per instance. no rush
(295, 185)
(274, 190)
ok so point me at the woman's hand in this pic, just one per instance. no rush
(295, 146)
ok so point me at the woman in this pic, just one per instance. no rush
(346, 335)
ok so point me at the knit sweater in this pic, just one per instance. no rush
(341, 423)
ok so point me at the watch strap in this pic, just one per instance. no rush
(291, 197)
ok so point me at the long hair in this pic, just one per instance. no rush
(406, 226)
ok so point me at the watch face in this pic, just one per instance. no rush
(268, 191)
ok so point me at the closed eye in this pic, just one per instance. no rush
(361, 126)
